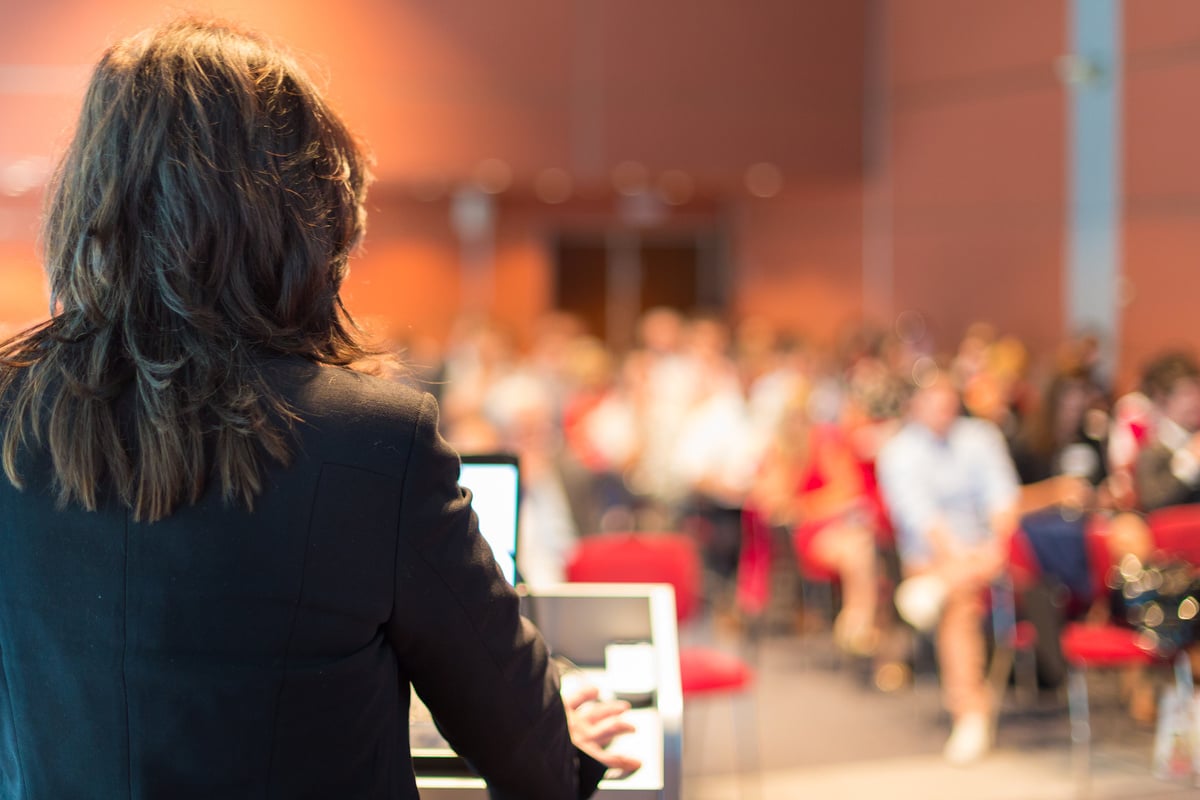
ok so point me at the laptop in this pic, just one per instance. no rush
(494, 481)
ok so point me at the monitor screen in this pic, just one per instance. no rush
(495, 486)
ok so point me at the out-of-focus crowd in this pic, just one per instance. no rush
(697, 423)
(763, 446)
(706, 420)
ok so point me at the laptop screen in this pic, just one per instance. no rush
(495, 485)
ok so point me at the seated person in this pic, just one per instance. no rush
(952, 492)
(1167, 470)
(1058, 454)
(1153, 455)
(810, 480)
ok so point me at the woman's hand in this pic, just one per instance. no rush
(594, 724)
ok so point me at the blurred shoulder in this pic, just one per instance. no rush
(979, 430)
(907, 436)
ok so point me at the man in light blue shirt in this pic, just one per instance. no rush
(951, 489)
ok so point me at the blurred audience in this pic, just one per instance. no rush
(810, 481)
(772, 450)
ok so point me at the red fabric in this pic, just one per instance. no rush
(1023, 565)
(702, 670)
(641, 558)
(821, 439)
(574, 422)
(885, 533)
(1024, 635)
(802, 538)
(1103, 646)
(754, 563)
(1176, 531)
(1099, 559)
(825, 438)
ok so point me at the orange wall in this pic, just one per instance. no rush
(437, 85)
(1161, 128)
(971, 173)
(407, 279)
(707, 87)
(798, 259)
(23, 296)
(975, 164)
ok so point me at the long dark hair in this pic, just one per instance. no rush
(201, 219)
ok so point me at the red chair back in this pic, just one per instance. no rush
(1098, 556)
(1176, 531)
(641, 557)
(1023, 565)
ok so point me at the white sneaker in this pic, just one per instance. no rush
(970, 739)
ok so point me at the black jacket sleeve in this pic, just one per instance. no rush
(481, 668)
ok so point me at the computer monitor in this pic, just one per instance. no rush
(494, 481)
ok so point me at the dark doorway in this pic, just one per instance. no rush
(609, 280)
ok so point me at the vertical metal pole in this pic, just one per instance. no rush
(1081, 729)
(1092, 73)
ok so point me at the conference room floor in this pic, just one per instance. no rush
(823, 732)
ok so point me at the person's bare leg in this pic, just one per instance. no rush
(850, 550)
(961, 652)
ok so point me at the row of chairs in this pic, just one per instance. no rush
(673, 558)
(1110, 646)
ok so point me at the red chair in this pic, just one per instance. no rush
(1089, 646)
(664, 558)
(1175, 531)
(1015, 639)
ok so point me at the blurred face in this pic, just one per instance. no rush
(988, 396)
(1072, 404)
(1182, 404)
(707, 339)
(936, 406)
(661, 331)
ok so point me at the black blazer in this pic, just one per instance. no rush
(226, 654)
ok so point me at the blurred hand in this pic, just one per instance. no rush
(1118, 492)
(594, 724)
(1194, 444)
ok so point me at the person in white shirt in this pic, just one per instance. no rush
(952, 491)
